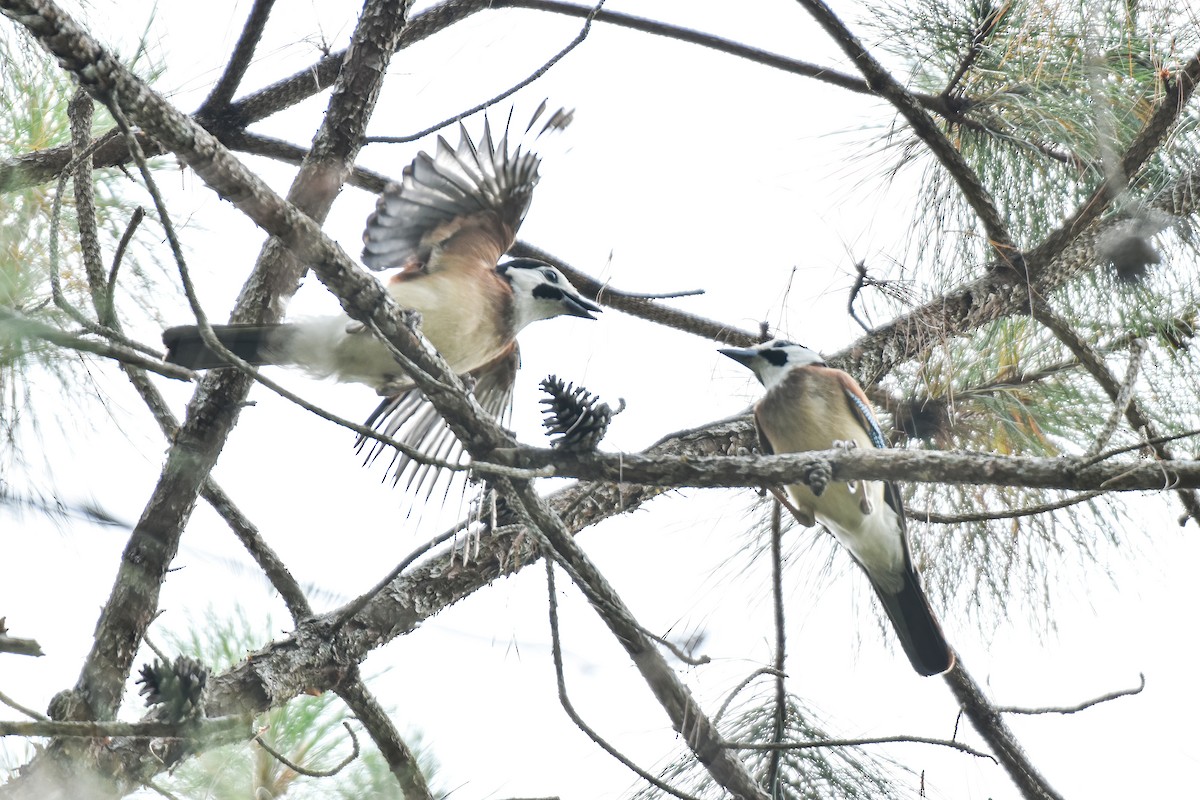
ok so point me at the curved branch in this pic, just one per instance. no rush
(1104, 698)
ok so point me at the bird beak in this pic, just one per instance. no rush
(742, 355)
(579, 306)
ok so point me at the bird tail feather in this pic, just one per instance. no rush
(259, 345)
(916, 626)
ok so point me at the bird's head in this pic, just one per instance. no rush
(772, 360)
(540, 292)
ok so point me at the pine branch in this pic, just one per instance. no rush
(881, 81)
(1129, 406)
(235, 68)
(16, 324)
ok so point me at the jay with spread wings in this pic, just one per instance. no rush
(811, 406)
(445, 226)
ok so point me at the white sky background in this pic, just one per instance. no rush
(683, 169)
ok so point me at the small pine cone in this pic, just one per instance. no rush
(177, 687)
(574, 415)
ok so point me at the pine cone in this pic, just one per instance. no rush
(178, 687)
(574, 415)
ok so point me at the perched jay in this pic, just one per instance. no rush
(810, 406)
(445, 225)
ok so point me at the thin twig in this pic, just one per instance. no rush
(109, 315)
(25, 327)
(738, 690)
(986, 26)
(1009, 513)
(201, 729)
(1124, 396)
(687, 717)
(643, 309)
(1165, 439)
(56, 290)
(15, 706)
(1104, 698)
(780, 732)
(359, 603)
(401, 759)
(691, 661)
(785, 746)
(727, 46)
(539, 72)
(313, 773)
(861, 268)
(565, 700)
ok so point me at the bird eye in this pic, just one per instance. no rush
(550, 275)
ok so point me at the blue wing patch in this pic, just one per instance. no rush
(868, 420)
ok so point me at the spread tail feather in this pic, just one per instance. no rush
(259, 345)
(916, 627)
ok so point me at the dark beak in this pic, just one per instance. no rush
(742, 355)
(579, 306)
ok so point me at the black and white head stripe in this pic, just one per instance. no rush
(540, 291)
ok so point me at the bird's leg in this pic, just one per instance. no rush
(802, 515)
(858, 487)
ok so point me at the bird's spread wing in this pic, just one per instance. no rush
(411, 418)
(467, 201)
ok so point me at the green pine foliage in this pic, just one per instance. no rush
(1043, 98)
(811, 773)
(308, 731)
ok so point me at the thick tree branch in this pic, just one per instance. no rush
(235, 69)
(908, 466)
(399, 756)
